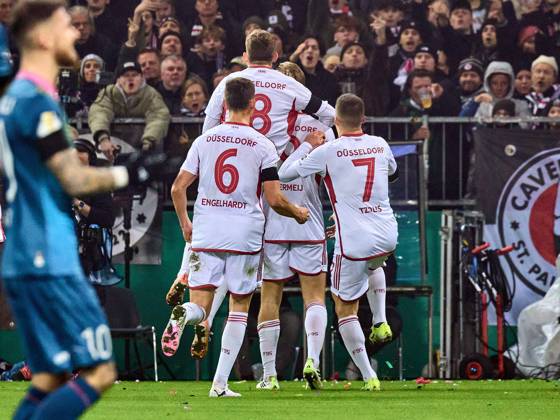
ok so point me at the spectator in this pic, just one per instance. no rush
(279, 36)
(169, 24)
(319, 81)
(195, 97)
(554, 112)
(457, 34)
(209, 57)
(219, 76)
(487, 45)
(402, 63)
(171, 43)
(151, 33)
(95, 216)
(392, 13)
(90, 42)
(165, 9)
(235, 64)
(522, 83)
(331, 62)
(105, 20)
(420, 102)
(358, 76)
(527, 48)
(90, 69)
(173, 75)
(207, 13)
(470, 74)
(346, 32)
(129, 97)
(5, 11)
(504, 108)
(151, 65)
(544, 72)
(252, 23)
(499, 83)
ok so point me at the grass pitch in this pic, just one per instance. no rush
(521, 399)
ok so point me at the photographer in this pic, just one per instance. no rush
(130, 97)
(95, 217)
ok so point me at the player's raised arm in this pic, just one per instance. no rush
(321, 109)
(277, 200)
(300, 165)
(215, 108)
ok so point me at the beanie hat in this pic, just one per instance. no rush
(461, 4)
(175, 34)
(545, 59)
(471, 64)
(526, 33)
(428, 49)
(128, 66)
(91, 57)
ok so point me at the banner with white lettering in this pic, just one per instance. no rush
(516, 176)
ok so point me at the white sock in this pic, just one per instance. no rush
(219, 295)
(232, 338)
(376, 295)
(269, 332)
(355, 343)
(194, 314)
(315, 326)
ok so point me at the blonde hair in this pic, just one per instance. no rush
(292, 70)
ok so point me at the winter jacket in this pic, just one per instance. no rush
(112, 103)
(484, 110)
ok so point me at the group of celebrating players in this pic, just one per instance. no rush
(265, 136)
(237, 240)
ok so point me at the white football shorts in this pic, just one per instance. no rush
(241, 272)
(349, 279)
(283, 261)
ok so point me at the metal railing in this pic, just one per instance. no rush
(447, 152)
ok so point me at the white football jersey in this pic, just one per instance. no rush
(278, 98)
(228, 160)
(301, 191)
(356, 170)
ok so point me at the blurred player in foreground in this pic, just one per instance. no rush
(56, 310)
(356, 169)
(233, 162)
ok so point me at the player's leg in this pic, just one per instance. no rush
(309, 261)
(275, 272)
(241, 272)
(85, 340)
(176, 292)
(232, 339)
(380, 330)
(199, 346)
(349, 283)
(42, 384)
(204, 277)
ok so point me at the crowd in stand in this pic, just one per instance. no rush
(476, 58)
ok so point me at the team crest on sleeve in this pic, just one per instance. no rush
(528, 216)
(49, 123)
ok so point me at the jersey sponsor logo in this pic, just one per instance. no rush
(231, 139)
(528, 216)
(359, 152)
(223, 203)
(49, 123)
(270, 85)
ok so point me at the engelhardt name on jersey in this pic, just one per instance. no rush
(356, 169)
(301, 191)
(278, 99)
(228, 160)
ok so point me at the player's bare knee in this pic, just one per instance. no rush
(102, 376)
